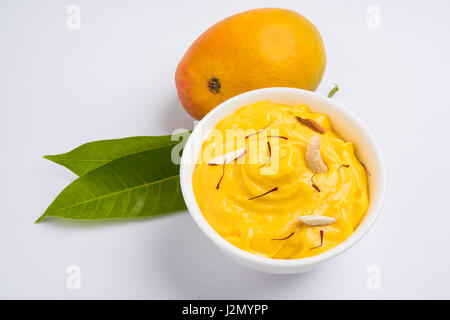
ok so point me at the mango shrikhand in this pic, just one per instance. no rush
(277, 181)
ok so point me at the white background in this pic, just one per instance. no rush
(115, 78)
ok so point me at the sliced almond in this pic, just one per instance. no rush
(317, 220)
(311, 124)
(228, 157)
(313, 158)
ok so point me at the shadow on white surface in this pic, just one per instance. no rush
(73, 225)
(173, 116)
(199, 270)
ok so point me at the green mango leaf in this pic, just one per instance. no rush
(138, 185)
(92, 155)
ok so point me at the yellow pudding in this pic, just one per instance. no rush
(277, 181)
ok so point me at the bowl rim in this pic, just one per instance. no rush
(197, 215)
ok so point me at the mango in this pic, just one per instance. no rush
(259, 48)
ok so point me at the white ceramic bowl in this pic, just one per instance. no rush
(344, 122)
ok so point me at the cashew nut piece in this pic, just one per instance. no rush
(313, 158)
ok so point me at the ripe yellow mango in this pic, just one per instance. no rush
(254, 49)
